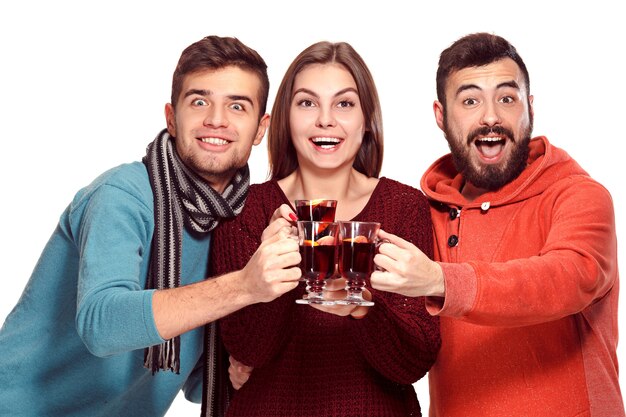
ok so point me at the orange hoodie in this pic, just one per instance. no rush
(529, 320)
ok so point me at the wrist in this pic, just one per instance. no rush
(438, 287)
(232, 286)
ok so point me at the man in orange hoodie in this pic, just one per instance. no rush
(525, 280)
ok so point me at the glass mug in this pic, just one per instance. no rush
(359, 243)
(316, 210)
(319, 247)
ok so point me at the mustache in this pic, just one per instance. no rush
(486, 130)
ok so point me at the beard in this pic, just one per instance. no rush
(211, 169)
(490, 177)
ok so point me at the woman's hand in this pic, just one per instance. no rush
(335, 290)
(282, 221)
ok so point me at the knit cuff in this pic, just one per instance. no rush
(460, 291)
(148, 315)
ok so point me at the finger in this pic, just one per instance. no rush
(336, 309)
(288, 232)
(239, 365)
(396, 240)
(285, 275)
(382, 280)
(335, 294)
(291, 276)
(279, 245)
(337, 284)
(285, 212)
(386, 262)
(274, 228)
(359, 312)
(245, 369)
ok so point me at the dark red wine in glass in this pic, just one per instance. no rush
(316, 210)
(357, 262)
(356, 265)
(319, 247)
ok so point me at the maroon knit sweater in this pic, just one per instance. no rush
(310, 363)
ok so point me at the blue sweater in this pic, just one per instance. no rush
(74, 343)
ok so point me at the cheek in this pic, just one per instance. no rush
(353, 126)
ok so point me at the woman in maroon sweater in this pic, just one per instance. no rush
(326, 140)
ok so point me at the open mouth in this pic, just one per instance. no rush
(490, 147)
(326, 142)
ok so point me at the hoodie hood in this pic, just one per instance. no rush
(546, 165)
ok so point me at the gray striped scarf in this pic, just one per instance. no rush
(181, 197)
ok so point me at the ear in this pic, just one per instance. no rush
(531, 109)
(260, 132)
(438, 109)
(170, 119)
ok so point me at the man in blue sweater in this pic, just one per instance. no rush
(111, 321)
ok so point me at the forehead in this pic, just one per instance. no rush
(488, 76)
(324, 77)
(226, 81)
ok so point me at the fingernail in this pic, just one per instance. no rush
(293, 217)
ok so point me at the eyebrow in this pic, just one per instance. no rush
(464, 87)
(234, 97)
(314, 94)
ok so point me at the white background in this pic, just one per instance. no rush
(83, 86)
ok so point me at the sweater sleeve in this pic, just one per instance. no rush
(114, 312)
(398, 337)
(254, 334)
(575, 266)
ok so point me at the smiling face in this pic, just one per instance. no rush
(487, 122)
(326, 118)
(216, 122)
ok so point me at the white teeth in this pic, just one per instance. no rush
(214, 141)
(490, 139)
(325, 140)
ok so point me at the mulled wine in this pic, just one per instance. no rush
(319, 245)
(316, 210)
(357, 258)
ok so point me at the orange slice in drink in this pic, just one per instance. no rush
(357, 239)
(310, 243)
(326, 240)
(316, 202)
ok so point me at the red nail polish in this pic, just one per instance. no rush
(293, 217)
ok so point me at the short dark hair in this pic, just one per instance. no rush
(282, 154)
(215, 52)
(475, 50)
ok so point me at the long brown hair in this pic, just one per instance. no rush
(282, 154)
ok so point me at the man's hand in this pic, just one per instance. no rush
(273, 269)
(238, 372)
(406, 270)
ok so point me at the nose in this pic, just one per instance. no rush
(490, 116)
(215, 117)
(325, 117)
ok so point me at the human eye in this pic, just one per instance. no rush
(198, 102)
(507, 100)
(305, 102)
(238, 106)
(470, 101)
(344, 104)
